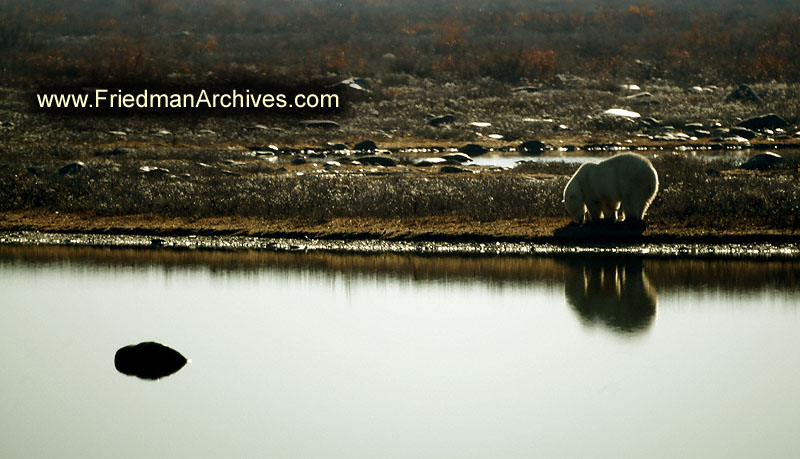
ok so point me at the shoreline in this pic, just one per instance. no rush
(390, 236)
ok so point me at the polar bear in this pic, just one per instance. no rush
(599, 188)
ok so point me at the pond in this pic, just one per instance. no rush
(386, 355)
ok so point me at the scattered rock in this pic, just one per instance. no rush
(642, 98)
(768, 121)
(452, 169)
(439, 120)
(325, 124)
(366, 145)
(430, 162)
(378, 161)
(649, 121)
(72, 168)
(620, 113)
(473, 149)
(113, 152)
(742, 132)
(148, 360)
(531, 147)
(153, 170)
(762, 161)
(457, 157)
(743, 93)
(359, 84)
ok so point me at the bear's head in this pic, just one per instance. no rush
(573, 202)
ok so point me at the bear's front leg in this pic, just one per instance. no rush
(610, 210)
(595, 210)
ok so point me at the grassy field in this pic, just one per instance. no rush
(505, 73)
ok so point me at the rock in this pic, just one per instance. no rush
(366, 145)
(430, 162)
(113, 152)
(324, 124)
(480, 124)
(742, 132)
(452, 169)
(298, 160)
(620, 113)
(72, 168)
(768, 121)
(531, 147)
(642, 98)
(473, 149)
(649, 121)
(762, 161)
(378, 161)
(359, 84)
(153, 170)
(526, 89)
(743, 93)
(148, 360)
(439, 120)
(457, 157)
(317, 154)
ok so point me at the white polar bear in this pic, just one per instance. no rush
(599, 188)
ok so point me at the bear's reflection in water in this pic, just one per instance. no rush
(612, 292)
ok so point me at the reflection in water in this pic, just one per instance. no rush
(148, 360)
(615, 293)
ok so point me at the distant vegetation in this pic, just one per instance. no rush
(198, 41)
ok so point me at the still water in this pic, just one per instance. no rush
(356, 356)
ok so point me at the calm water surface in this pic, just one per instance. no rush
(323, 355)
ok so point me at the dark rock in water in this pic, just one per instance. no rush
(742, 132)
(762, 161)
(72, 168)
(452, 169)
(298, 160)
(457, 157)
(338, 146)
(378, 161)
(148, 360)
(317, 154)
(768, 121)
(531, 147)
(525, 89)
(439, 120)
(743, 93)
(366, 145)
(473, 149)
(325, 124)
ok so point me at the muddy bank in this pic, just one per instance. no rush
(743, 250)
